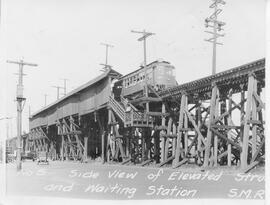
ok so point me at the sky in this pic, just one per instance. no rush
(63, 37)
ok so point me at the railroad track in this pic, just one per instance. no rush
(229, 79)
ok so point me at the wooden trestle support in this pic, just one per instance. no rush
(207, 133)
(134, 143)
(220, 123)
(38, 140)
(72, 146)
(214, 121)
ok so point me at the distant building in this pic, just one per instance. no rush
(11, 145)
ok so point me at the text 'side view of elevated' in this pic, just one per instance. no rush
(145, 117)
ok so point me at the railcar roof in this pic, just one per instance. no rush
(154, 62)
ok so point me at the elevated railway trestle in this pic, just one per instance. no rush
(214, 121)
(220, 119)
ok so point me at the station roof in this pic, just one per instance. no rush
(108, 72)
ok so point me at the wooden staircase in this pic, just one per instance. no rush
(131, 117)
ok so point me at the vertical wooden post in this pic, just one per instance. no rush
(260, 117)
(103, 157)
(199, 122)
(26, 144)
(162, 138)
(34, 144)
(254, 117)
(179, 130)
(166, 152)
(143, 144)
(244, 154)
(209, 132)
(215, 137)
(60, 132)
(186, 127)
(242, 118)
(127, 146)
(229, 146)
(85, 149)
(46, 145)
(156, 145)
(174, 140)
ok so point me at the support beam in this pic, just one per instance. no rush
(209, 132)
(162, 151)
(179, 133)
(244, 154)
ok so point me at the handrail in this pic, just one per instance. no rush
(127, 117)
(117, 108)
(125, 101)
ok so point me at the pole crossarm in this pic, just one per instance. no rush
(216, 25)
(21, 62)
(106, 65)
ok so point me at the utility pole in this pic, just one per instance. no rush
(143, 38)
(65, 85)
(45, 99)
(58, 89)
(213, 22)
(20, 100)
(106, 65)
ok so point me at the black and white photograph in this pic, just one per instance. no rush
(133, 101)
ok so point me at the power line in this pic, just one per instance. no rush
(217, 25)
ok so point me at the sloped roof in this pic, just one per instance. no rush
(90, 83)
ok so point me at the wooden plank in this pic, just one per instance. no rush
(186, 126)
(256, 96)
(257, 151)
(146, 162)
(223, 154)
(166, 161)
(143, 146)
(162, 139)
(228, 140)
(180, 125)
(244, 154)
(251, 166)
(174, 139)
(85, 148)
(215, 137)
(199, 122)
(145, 99)
(209, 132)
(166, 152)
(227, 127)
(157, 114)
(254, 117)
(103, 148)
(168, 136)
(162, 127)
(185, 160)
(195, 126)
(75, 132)
(229, 146)
(126, 161)
(227, 112)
